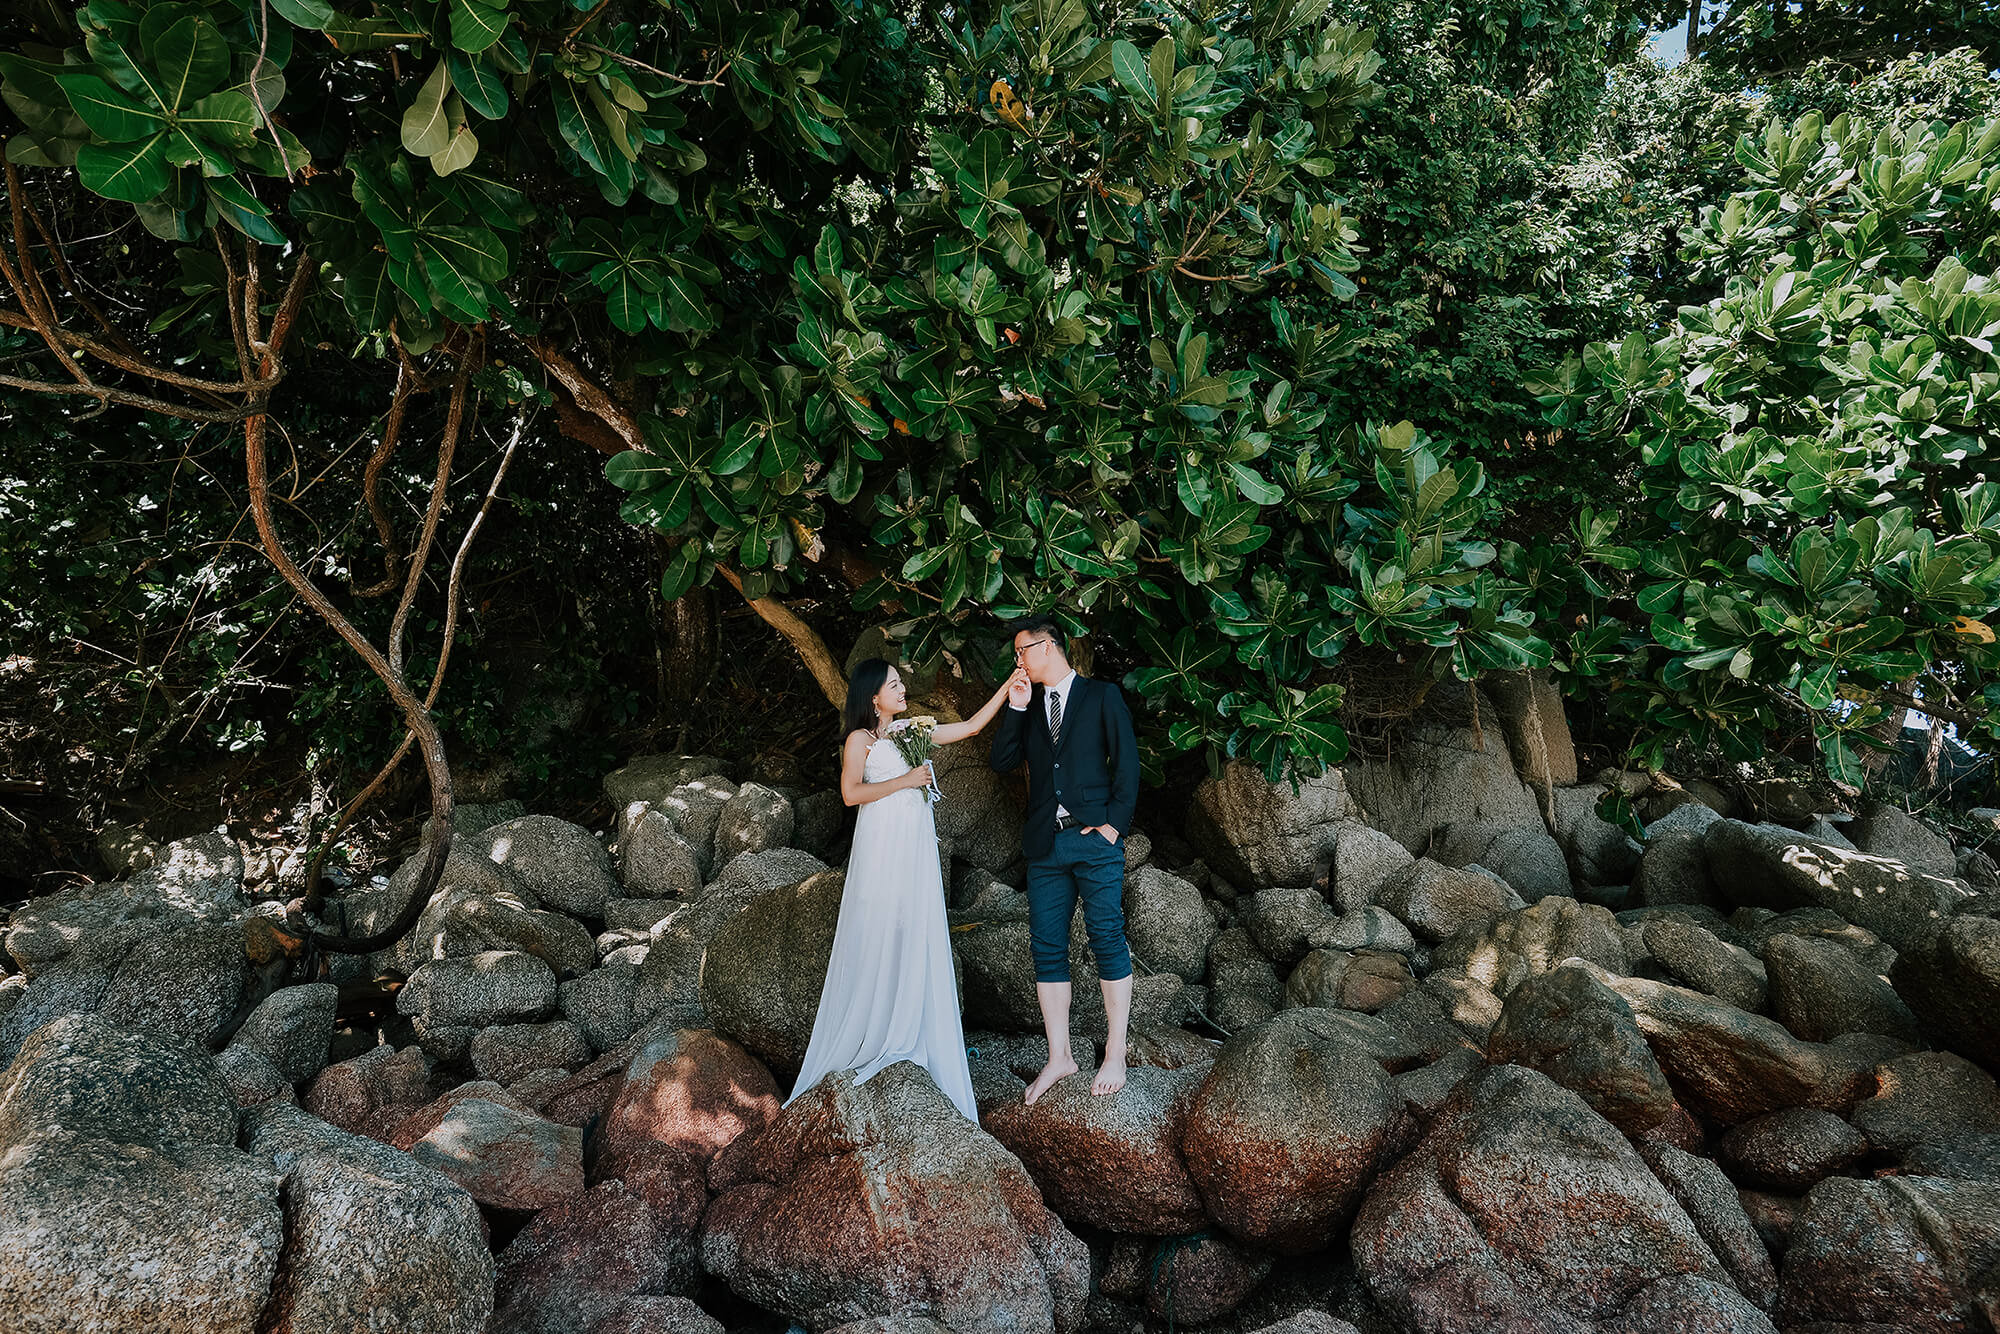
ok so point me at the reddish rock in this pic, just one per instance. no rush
(658, 1315)
(578, 1260)
(880, 1199)
(1523, 1205)
(1288, 1128)
(1109, 1162)
(1773, 1216)
(1168, 1048)
(1187, 1280)
(423, 1120)
(673, 1181)
(693, 1089)
(1792, 1150)
(354, 1093)
(504, 1157)
(1918, 1253)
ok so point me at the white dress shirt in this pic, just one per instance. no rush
(1060, 690)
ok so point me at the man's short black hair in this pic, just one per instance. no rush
(1042, 625)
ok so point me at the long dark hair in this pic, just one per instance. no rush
(859, 713)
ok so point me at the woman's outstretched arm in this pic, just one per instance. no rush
(947, 733)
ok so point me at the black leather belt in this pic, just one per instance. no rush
(1066, 822)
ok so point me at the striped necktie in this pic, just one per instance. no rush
(1055, 718)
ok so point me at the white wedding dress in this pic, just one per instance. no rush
(890, 992)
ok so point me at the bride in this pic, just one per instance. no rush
(890, 994)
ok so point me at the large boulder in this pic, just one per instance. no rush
(124, 1202)
(373, 1238)
(1289, 1126)
(1581, 1034)
(1820, 991)
(1674, 867)
(503, 1156)
(1108, 1162)
(756, 818)
(1730, 1066)
(1883, 830)
(292, 1027)
(508, 1053)
(1256, 833)
(1531, 712)
(1914, 1254)
(1243, 988)
(914, 1211)
(580, 1260)
(1505, 951)
(1599, 852)
(561, 864)
(1449, 766)
(649, 780)
(1435, 901)
(1698, 959)
(1282, 921)
(478, 906)
(692, 1090)
(1364, 859)
(1769, 866)
(1523, 1209)
(766, 966)
(496, 987)
(1712, 1202)
(1525, 856)
(1791, 1151)
(192, 879)
(1951, 980)
(1365, 980)
(1166, 922)
(1928, 1097)
(655, 862)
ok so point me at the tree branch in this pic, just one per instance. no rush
(818, 658)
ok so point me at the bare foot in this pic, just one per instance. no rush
(1110, 1075)
(1051, 1072)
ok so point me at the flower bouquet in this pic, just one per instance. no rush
(914, 742)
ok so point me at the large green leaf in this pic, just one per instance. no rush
(110, 114)
(193, 61)
(426, 127)
(476, 26)
(131, 172)
(478, 83)
(227, 117)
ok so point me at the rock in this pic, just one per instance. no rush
(1281, 919)
(1756, 926)
(1243, 986)
(1166, 922)
(1522, 856)
(1167, 1048)
(1930, 1097)
(1882, 830)
(979, 820)
(561, 864)
(765, 969)
(1820, 991)
(695, 807)
(1364, 860)
(1686, 1304)
(503, 1157)
(118, 1159)
(251, 1077)
(654, 861)
(1364, 928)
(670, 977)
(292, 1027)
(668, 1315)
(374, 1239)
(505, 1053)
(202, 875)
(600, 1003)
(1531, 714)
(1729, 1066)
(695, 1091)
(496, 987)
(1582, 1035)
(1365, 980)
(1111, 1162)
(1435, 901)
(1425, 1089)
(1769, 866)
(1501, 953)
(578, 1261)
(1258, 834)
(1913, 1253)
(819, 819)
(755, 873)
(756, 818)
(44, 930)
(1599, 852)
(1792, 1150)
(1187, 1281)
(1522, 1208)
(1969, 1157)
(1773, 1216)
(991, 947)
(125, 849)
(651, 779)
(423, 1120)
(1701, 1189)
(372, 1091)
(1674, 867)
(1290, 1124)
(1444, 770)
(1701, 961)
(1951, 980)
(916, 1212)
(1310, 1322)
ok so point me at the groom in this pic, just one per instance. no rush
(1083, 784)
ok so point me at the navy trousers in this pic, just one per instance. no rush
(1079, 866)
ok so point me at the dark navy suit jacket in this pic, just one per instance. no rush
(1094, 773)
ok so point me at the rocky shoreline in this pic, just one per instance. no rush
(1420, 1044)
